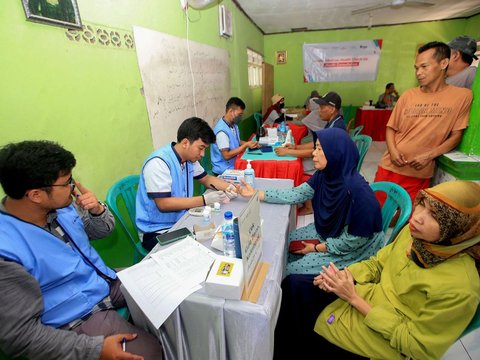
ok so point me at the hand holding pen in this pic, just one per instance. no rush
(114, 347)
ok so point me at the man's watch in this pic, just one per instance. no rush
(105, 207)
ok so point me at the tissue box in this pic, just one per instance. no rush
(231, 175)
(225, 279)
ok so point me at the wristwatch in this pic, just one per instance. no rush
(105, 207)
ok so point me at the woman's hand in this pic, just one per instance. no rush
(339, 282)
(246, 190)
(309, 247)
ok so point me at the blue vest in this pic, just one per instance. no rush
(70, 286)
(219, 164)
(149, 218)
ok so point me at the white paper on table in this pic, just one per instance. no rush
(158, 285)
(188, 259)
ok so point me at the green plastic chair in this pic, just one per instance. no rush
(363, 143)
(356, 131)
(397, 198)
(124, 193)
(474, 324)
(258, 119)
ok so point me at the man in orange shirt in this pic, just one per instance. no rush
(427, 122)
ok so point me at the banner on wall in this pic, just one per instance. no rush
(341, 61)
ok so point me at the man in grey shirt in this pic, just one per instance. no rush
(58, 296)
(460, 71)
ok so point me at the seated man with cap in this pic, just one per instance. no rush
(329, 111)
(460, 71)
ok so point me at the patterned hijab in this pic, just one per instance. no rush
(456, 207)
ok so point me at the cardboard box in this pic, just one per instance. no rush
(233, 176)
(225, 279)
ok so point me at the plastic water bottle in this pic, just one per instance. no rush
(281, 132)
(228, 235)
(249, 174)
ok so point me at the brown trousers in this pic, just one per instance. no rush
(109, 322)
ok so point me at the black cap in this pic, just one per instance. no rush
(464, 44)
(330, 98)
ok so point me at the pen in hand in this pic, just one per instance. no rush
(213, 187)
(124, 344)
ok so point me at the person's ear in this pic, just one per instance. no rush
(35, 195)
(184, 143)
(444, 63)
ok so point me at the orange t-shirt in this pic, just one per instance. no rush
(423, 121)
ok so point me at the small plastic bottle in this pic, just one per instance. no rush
(216, 207)
(207, 215)
(228, 235)
(249, 174)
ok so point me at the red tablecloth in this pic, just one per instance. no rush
(278, 169)
(374, 122)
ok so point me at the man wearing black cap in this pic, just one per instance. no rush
(460, 72)
(329, 110)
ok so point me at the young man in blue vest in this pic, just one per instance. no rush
(58, 296)
(228, 144)
(165, 190)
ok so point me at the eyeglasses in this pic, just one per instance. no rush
(70, 182)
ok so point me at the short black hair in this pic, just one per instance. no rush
(235, 102)
(388, 86)
(195, 128)
(32, 164)
(442, 50)
(468, 59)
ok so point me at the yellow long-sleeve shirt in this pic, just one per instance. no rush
(416, 312)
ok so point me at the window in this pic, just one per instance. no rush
(255, 61)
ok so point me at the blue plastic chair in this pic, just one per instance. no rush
(363, 143)
(397, 198)
(474, 324)
(125, 191)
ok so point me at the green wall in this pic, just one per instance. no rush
(396, 63)
(87, 97)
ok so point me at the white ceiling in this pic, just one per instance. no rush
(277, 16)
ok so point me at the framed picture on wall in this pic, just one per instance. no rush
(55, 12)
(281, 57)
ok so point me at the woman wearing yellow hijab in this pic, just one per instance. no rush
(413, 299)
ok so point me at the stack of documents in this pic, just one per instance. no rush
(159, 284)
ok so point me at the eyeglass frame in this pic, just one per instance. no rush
(70, 182)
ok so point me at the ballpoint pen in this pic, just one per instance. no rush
(124, 344)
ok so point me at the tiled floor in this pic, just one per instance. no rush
(468, 348)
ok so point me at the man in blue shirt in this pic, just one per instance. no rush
(58, 296)
(228, 145)
(165, 189)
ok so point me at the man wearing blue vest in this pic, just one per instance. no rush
(228, 144)
(58, 296)
(165, 189)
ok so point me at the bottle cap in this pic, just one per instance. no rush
(249, 166)
(216, 206)
(228, 215)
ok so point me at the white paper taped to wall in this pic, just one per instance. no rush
(168, 86)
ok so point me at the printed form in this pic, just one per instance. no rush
(159, 284)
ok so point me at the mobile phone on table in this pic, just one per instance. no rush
(172, 236)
